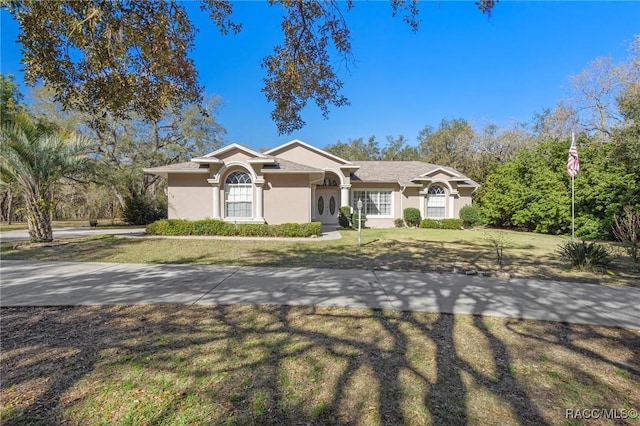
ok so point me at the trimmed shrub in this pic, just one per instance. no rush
(411, 216)
(354, 219)
(211, 227)
(585, 255)
(344, 217)
(430, 223)
(471, 216)
(310, 229)
(441, 223)
(169, 227)
(254, 230)
(451, 223)
(399, 223)
(219, 227)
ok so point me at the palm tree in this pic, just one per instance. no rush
(35, 159)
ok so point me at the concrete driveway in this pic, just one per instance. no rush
(26, 283)
(23, 234)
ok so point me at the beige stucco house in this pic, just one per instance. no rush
(297, 182)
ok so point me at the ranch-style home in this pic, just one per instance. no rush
(297, 182)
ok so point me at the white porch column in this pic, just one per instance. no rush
(215, 183)
(344, 195)
(452, 204)
(259, 200)
(313, 203)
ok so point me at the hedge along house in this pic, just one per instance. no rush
(297, 182)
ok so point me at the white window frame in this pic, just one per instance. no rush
(354, 201)
(444, 202)
(248, 187)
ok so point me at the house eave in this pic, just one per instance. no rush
(290, 172)
(164, 172)
(206, 160)
(262, 161)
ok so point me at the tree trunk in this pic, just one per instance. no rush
(38, 218)
(9, 205)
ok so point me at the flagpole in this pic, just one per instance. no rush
(572, 168)
(573, 209)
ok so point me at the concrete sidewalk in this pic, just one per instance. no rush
(26, 283)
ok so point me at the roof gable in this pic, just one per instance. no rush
(227, 152)
(291, 145)
(439, 170)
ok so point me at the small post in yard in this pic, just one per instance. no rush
(359, 205)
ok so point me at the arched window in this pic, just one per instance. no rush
(329, 181)
(238, 195)
(436, 202)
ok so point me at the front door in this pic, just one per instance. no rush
(327, 205)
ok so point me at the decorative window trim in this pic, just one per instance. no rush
(238, 184)
(439, 193)
(354, 201)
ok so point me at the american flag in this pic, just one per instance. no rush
(573, 164)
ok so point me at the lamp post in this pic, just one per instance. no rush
(359, 205)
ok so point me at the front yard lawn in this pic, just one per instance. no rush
(246, 365)
(526, 254)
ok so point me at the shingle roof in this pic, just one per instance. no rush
(403, 172)
(176, 167)
(288, 166)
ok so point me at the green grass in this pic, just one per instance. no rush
(525, 254)
(245, 365)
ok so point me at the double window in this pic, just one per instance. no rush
(374, 203)
(436, 202)
(238, 194)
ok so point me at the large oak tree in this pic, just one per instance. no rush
(115, 57)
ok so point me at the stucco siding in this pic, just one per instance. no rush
(411, 198)
(287, 199)
(190, 196)
(463, 200)
(234, 155)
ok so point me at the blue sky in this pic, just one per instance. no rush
(460, 64)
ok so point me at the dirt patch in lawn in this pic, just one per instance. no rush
(276, 364)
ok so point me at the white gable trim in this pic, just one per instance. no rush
(309, 147)
(440, 169)
(229, 148)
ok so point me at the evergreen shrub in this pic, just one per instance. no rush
(140, 210)
(219, 227)
(411, 216)
(441, 223)
(344, 217)
(471, 216)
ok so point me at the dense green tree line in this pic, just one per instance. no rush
(120, 148)
(522, 170)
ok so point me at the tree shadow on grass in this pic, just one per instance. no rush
(91, 249)
(289, 365)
